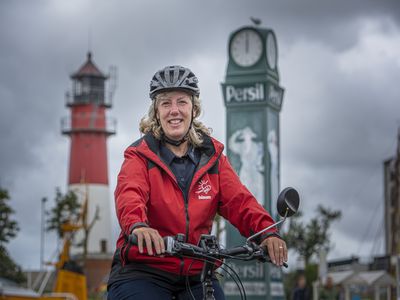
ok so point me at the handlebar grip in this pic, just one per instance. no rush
(264, 256)
(168, 242)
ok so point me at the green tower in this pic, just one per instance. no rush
(253, 100)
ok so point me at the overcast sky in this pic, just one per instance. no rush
(339, 63)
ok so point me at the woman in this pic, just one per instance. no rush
(174, 180)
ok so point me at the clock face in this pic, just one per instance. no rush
(246, 47)
(271, 51)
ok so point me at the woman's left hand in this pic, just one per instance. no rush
(276, 248)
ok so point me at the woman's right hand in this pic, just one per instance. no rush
(151, 237)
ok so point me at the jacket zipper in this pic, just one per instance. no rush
(185, 200)
(182, 265)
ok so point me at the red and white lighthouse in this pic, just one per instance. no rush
(88, 128)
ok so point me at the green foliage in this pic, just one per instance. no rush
(311, 273)
(8, 230)
(66, 209)
(8, 227)
(289, 284)
(290, 279)
(309, 238)
(9, 269)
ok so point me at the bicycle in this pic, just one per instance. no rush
(209, 250)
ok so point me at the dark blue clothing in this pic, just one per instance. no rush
(301, 294)
(182, 167)
(150, 290)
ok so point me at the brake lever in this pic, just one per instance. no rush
(262, 255)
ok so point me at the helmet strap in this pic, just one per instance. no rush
(173, 142)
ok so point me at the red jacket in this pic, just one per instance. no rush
(147, 192)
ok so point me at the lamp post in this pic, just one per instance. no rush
(42, 229)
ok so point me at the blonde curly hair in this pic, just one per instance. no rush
(150, 124)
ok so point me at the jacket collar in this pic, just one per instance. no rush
(209, 146)
(211, 150)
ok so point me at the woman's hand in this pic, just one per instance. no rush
(277, 250)
(151, 237)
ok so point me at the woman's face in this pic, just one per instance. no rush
(174, 112)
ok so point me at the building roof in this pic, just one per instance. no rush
(89, 69)
(364, 278)
(10, 288)
(375, 278)
(340, 276)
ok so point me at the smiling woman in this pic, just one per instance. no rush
(174, 180)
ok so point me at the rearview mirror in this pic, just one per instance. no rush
(288, 202)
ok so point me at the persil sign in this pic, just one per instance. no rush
(253, 93)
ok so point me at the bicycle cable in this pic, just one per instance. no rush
(187, 281)
(212, 260)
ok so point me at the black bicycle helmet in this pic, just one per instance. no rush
(172, 78)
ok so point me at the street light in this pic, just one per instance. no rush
(42, 213)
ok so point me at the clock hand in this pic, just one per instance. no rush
(247, 42)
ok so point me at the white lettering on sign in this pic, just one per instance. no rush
(275, 273)
(253, 288)
(250, 271)
(274, 96)
(245, 94)
(277, 289)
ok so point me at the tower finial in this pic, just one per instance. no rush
(89, 39)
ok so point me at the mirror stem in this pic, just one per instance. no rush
(269, 227)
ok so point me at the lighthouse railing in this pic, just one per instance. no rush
(99, 96)
(94, 124)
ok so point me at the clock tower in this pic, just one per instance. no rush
(253, 99)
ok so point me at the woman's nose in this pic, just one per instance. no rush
(174, 108)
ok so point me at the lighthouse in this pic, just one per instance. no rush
(88, 128)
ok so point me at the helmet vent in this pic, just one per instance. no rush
(174, 77)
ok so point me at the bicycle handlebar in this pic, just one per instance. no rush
(209, 248)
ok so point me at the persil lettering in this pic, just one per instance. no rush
(245, 94)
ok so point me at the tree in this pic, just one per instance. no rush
(8, 230)
(87, 227)
(66, 209)
(8, 227)
(309, 239)
(8, 268)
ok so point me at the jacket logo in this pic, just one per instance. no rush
(204, 187)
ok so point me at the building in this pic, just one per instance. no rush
(392, 202)
(355, 278)
(88, 128)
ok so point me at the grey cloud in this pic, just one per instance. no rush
(335, 128)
